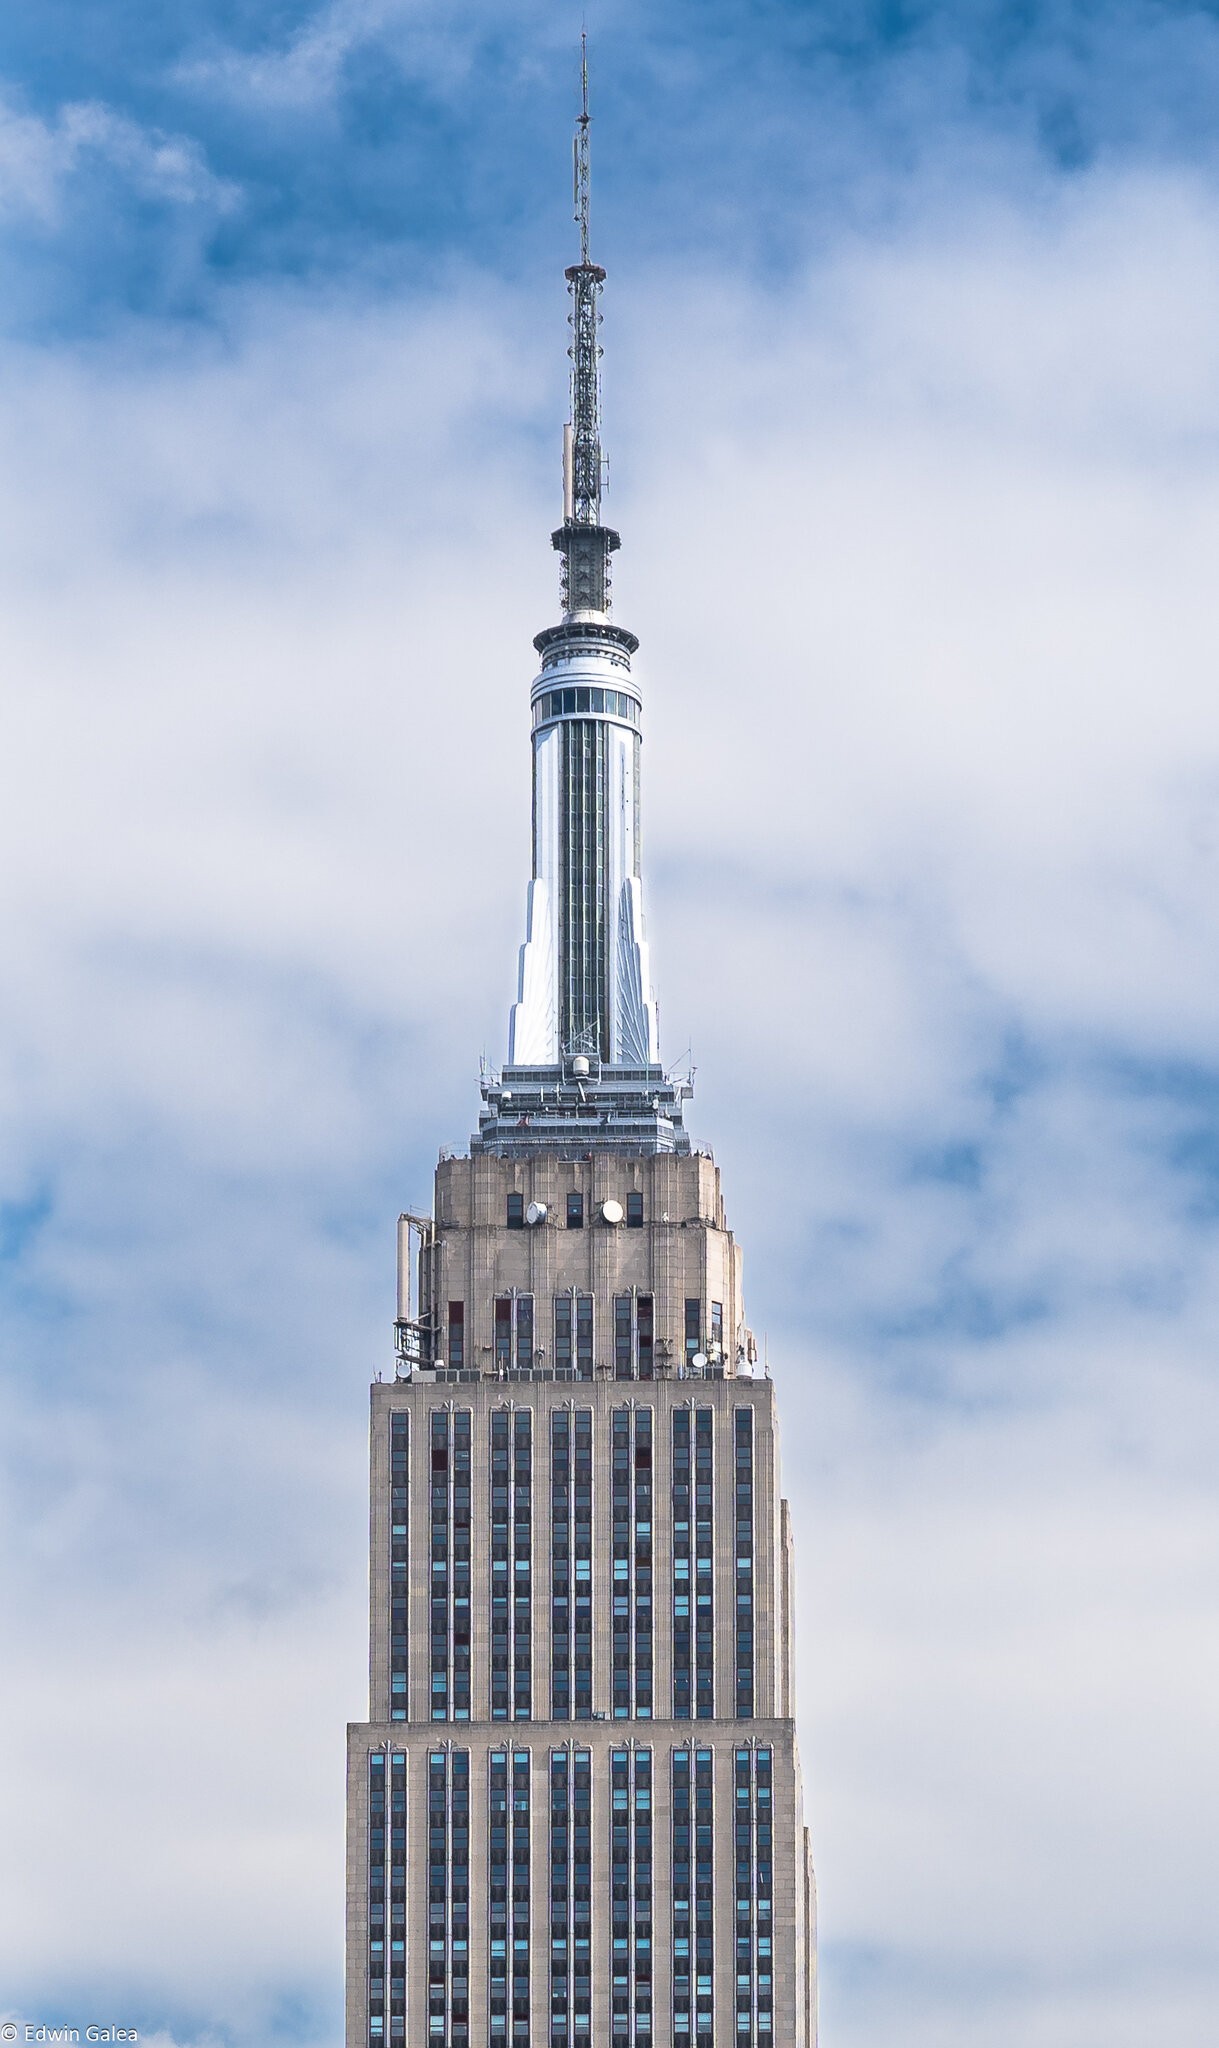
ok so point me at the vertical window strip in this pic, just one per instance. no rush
(570, 1898)
(573, 1336)
(462, 1421)
(561, 1989)
(560, 1565)
(681, 1882)
(399, 1557)
(623, 1554)
(501, 1565)
(642, 1645)
(583, 934)
(703, 1596)
(584, 1336)
(631, 1898)
(513, 1333)
(632, 1637)
(440, 1591)
(457, 1335)
(520, 1898)
(562, 1334)
(753, 1774)
(623, 1360)
(582, 1585)
(683, 1655)
(386, 1897)
(743, 1433)
(694, 1334)
(499, 1865)
(641, 1918)
(522, 1565)
(764, 1885)
(634, 1350)
(449, 1898)
(680, 1496)
(704, 1899)
(581, 1898)
(693, 1902)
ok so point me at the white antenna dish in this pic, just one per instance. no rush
(535, 1213)
(699, 1361)
(612, 1211)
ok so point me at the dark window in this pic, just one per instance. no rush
(457, 1333)
(575, 1210)
(643, 1314)
(503, 1332)
(694, 1335)
(634, 1210)
(623, 1362)
(516, 1212)
(562, 1332)
(584, 1336)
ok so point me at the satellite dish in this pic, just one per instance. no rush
(579, 1067)
(612, 1211)
(699, 1361)
(535, 1213)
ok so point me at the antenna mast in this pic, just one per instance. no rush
(584, 543)
(579, 152)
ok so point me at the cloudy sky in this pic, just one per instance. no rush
(912, 395)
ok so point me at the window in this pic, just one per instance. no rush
(516, 1212)
(575, 1210)
(693, 1930)
(448, 1897)
(399, 1444)
(631, 1606)
(511, 1563)
(573, 1335)
(631, 1896)
(634, 1210)
(744, 1563)
(457, 1334)
(562, 1333)
(449, 1662)
(513, 1332)
(694, 1330)
(717, 1329)
(754, 1897)
(584, 1336)
(633, 1333)
(386, 1859)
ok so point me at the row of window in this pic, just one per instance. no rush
(516, 1348)
(516, 1219)
(630, 1875)
(581, 700)
(691, 1596)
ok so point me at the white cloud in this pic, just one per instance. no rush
(920, 554)
(40, 158)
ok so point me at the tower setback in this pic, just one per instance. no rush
(575, 1814)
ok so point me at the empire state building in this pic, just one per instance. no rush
(575, 1813)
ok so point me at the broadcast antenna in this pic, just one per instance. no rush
(579, 152)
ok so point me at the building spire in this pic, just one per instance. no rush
(583, 542)
(579, 151)
(584, 1057)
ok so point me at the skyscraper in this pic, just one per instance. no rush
(575, 1815)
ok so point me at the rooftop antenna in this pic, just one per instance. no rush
(579, 152)
(584, 543)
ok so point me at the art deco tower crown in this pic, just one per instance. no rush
(584, 1050)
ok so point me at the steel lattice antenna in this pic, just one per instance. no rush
(585, 544)
(579, 151)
